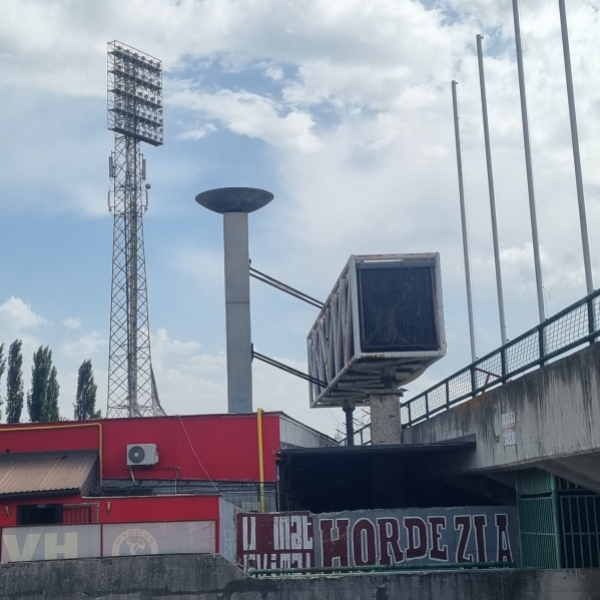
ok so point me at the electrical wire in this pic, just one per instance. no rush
(199, 462)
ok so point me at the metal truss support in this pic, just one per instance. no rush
(130, 370)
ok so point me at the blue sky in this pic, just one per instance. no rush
(343, 110)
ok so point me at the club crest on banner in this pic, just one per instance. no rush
(133, 542)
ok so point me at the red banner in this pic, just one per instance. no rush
(275, 541)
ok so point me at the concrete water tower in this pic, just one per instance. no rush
(234, 203)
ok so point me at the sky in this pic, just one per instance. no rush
(343, 110)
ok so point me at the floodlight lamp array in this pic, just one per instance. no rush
(135, 106)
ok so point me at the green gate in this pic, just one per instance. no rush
(537, 506)
(559, 522)
(580, 512)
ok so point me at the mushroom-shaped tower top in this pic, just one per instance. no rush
(234, 199)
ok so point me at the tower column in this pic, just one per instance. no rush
(386, 427)
(234, 203)
(237, 312)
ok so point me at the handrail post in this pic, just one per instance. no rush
(426, 405)
(541, 344)
(591, 317)
(503, 362)
(473, 379)
(447, 393)
(409, 421)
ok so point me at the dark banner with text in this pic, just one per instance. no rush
(377, 537)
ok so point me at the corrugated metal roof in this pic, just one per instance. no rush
(39, 473)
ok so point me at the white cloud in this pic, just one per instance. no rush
(188, 381)
(17, 316)
(72, 323)
(251, 115)
(164, 347)
(62, 43)
(274, 72)
(86, 346)
(197, 133)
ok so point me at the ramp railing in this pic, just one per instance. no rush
(572, 327)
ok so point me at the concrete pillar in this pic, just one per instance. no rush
(234, 203)
(237, 310)
(385, 419)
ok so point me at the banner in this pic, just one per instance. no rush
(378, 537)
(50, 542)
(275, 541)
(186, 537)
(227, 546)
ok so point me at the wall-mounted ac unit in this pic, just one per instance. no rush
(141, 454)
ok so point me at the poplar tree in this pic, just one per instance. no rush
(14, 383)
(50, 410)
(42, 398)
(85, 401)
(2, 369)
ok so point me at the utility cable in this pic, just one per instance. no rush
(199, 462)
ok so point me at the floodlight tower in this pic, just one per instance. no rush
(135, 114)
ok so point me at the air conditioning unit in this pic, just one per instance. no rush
(141, 455)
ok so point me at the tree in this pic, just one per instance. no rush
(2, 369)
(36, 396)
(50, 410)
(14, 383)
(85, 402)
(42, 398)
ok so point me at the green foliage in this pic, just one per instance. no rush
(42, 398)
(50, 408)
(14, 383)
(85, 402)
(2, 369)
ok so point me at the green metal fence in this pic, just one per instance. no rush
(537, 505)
(580, 532)
(559, 522)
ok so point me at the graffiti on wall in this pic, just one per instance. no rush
(377, 537)
(275, 541)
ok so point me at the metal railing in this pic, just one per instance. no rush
(381, 569)
(574, 326)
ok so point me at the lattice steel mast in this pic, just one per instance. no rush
(135, 114)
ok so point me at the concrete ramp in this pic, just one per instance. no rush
(549, 419)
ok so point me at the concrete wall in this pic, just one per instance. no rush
(557, 418)
(208, 577)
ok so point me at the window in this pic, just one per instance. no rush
(40, 514)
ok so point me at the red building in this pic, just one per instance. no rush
(188, 469)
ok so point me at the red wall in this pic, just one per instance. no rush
(126, 510)
(9, 518)
(159, 508)
(226, 445)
